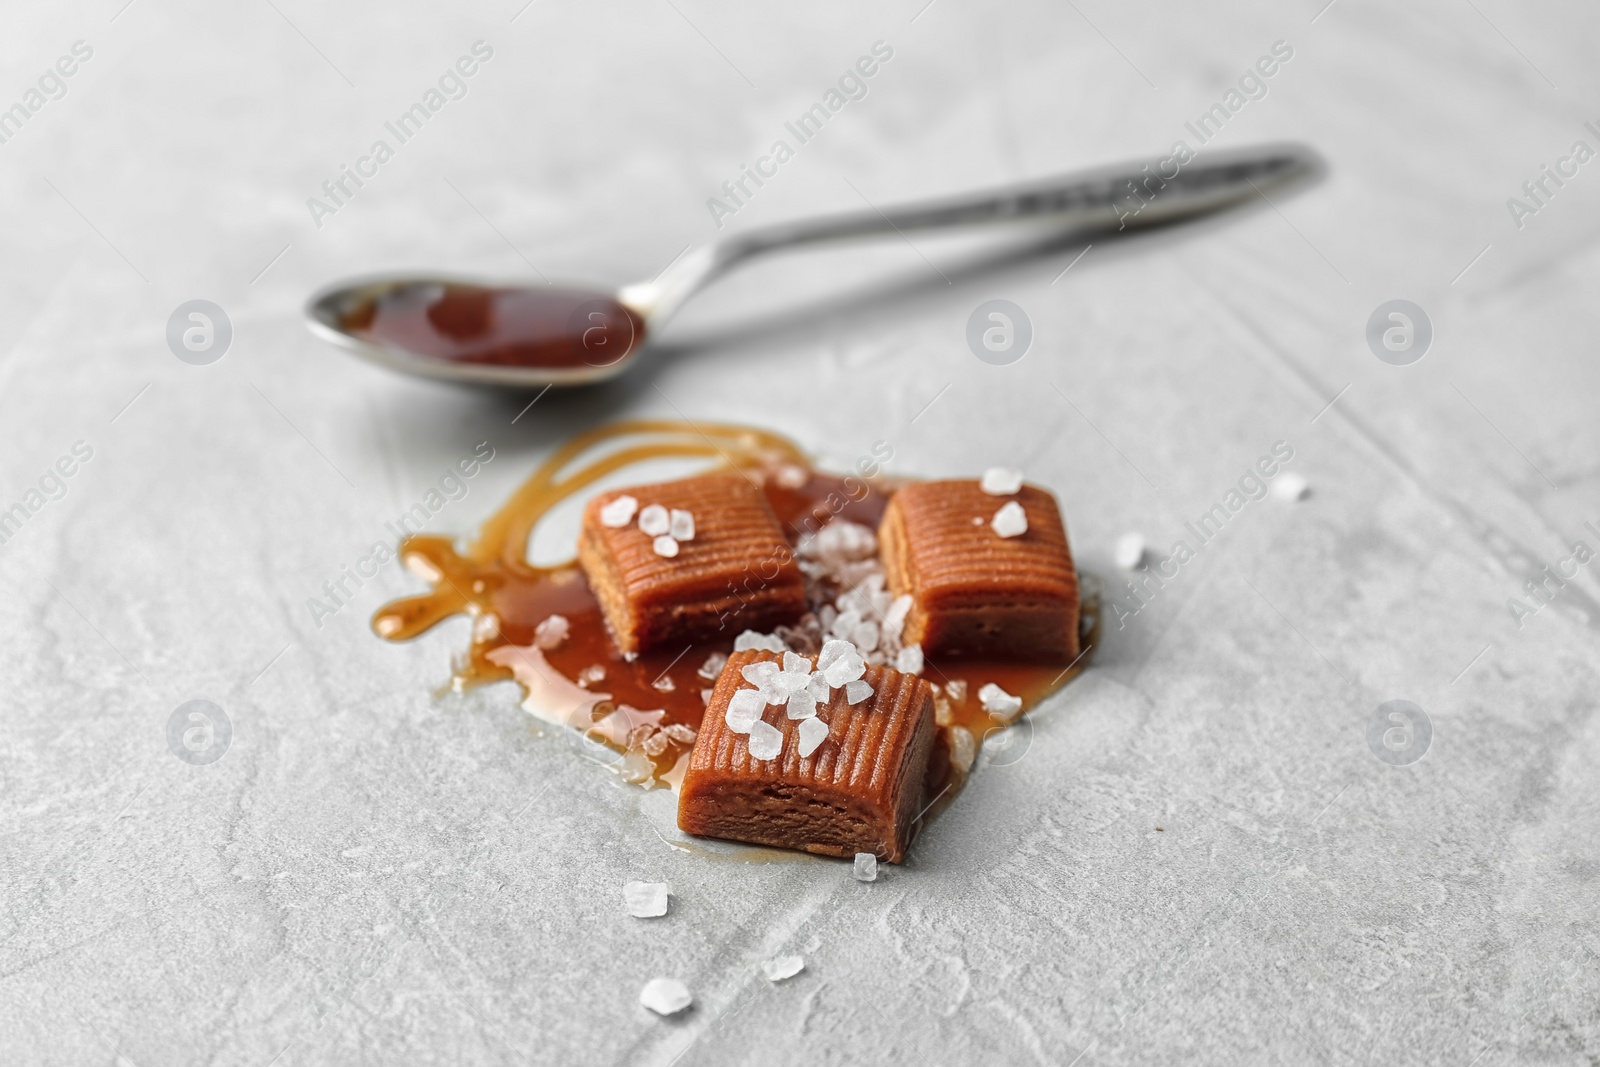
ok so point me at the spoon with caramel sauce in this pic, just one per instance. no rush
(522, 335)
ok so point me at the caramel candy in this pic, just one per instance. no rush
(734, 572)
(860, 790)
(973, 592)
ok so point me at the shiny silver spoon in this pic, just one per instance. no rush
(526, 336)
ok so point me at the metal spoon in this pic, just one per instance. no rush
(519, 335)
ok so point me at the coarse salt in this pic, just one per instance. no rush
(551, 632)
(761, 642)
(866, 868)
(1128, 552)
(1000, 481)
(1290, 486)
(744, 710)
(999, 703)
(909, 661)
(654, 520)
(766, 741)
(665, 546)
(857, 691)
(619, 512)
(646, 900)
(802, 705)
(813, 732)
(781, 967)
(680, 733)
(1010, 520)
(681, 525)
(665, 996)
(712, 666)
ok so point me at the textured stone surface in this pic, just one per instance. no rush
(373, 875)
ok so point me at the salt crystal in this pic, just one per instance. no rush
(845, 669)
(766, 677)
(663, 684)
(813, 732)
(943, 713)
(1290, 486)
(857, 691)
(656, 743)
(895, 617)
(680, 733)
(1010, 520)
(591, 674)
(705, 696)
(551, 632)
(866, 636)
(712, 666)
(802, 705)
(654, 521)
(760, 642)
(999, 703)
(681, 525)
(781, 967)
(766, 741)
(794, 663)
(665, 996)
(792, 476)
(831, 651)
(818, 686)
(957, 688)
(665, 546)
(866, 868)
(1128, 552)
(619, 512)
(744, 710)
(909, 661)
(963, 749)
(646, 900)
(1000, 481)
(486, 627)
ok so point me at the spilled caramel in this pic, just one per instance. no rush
(491, 580)
(545, 327)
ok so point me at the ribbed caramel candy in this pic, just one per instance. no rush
(860, 791)
(973, 592)
(737, 572)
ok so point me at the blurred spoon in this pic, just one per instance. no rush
(526, 336)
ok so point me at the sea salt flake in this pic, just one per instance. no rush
(792, 476)
(895, 618)
(654, 521)
(999, 703)
(744, 710)
(909, 661)
(591, 675)
(802, 705)
(1129, 551)
(857, 691)
(957, 688)
(963, 748)
(831, 651)
(656, 744)
(760, 642)
(813, 732)
(766, 741)
(1290, 487)
(681, 525)
(866, 868)
(551, 632)
(818, 686)
(781, 967)
(646, 900)
(794, 663)
(846, 669)
(866, 636)
(1010, 520)
(665, 996)
(619, 512)
(1000, 481)
(663, 684)
(665, 546)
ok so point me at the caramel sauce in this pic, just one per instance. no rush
(545, 327)
(491, 579)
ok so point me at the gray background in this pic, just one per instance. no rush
(372, 875)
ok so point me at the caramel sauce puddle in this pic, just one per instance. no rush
(491, 580)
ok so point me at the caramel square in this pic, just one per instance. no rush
(859, 791)
(736, 573)
(973, 592)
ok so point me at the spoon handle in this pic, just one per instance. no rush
(1113, 198)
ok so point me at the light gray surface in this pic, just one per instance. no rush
(370, 875)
